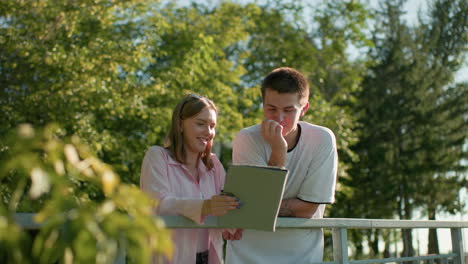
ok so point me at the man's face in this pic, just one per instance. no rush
(284, 108)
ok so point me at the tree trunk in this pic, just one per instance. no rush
(408, 249)
(433, 246)
(386, 234)
(357, 241)
(375, 243)
(407, 234)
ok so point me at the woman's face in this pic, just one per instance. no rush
(199, 130)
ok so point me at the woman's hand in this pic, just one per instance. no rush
(235, 234)
(219, 205)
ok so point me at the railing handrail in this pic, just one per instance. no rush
(339, 227)
(305, 223)
(26, 220)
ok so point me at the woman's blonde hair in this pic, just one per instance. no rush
(190, 106)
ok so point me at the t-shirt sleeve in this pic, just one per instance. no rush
(247, 151)
(319, 184)
(155, 182)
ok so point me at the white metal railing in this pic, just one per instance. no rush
(339, 227)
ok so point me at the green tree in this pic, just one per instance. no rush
(199, 54)
(76, 228)
(280, 35)
(413, 123)
(77, 64)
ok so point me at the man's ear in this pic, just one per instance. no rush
(304, 109)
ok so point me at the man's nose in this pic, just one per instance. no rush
(280, 117)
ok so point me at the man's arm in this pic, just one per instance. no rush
(294, 207)
(323, 169)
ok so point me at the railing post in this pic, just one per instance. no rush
(340, 245)
(457, 245)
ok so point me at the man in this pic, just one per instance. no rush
(309, 153)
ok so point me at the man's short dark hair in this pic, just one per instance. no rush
(286, 80)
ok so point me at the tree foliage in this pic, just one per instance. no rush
(112, 72)
(77, 64)
(413, 117)
(281, 36)
(198, 54)
(76, 228)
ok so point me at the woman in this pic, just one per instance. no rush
(187, 178)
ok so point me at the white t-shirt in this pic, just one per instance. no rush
(312, 166)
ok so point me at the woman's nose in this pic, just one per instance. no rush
(211, 131)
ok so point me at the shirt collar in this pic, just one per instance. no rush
(172, 161)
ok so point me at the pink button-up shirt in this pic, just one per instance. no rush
(179, 193)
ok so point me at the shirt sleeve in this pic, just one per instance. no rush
(246, 151)
(155, 182)
(319, 184)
